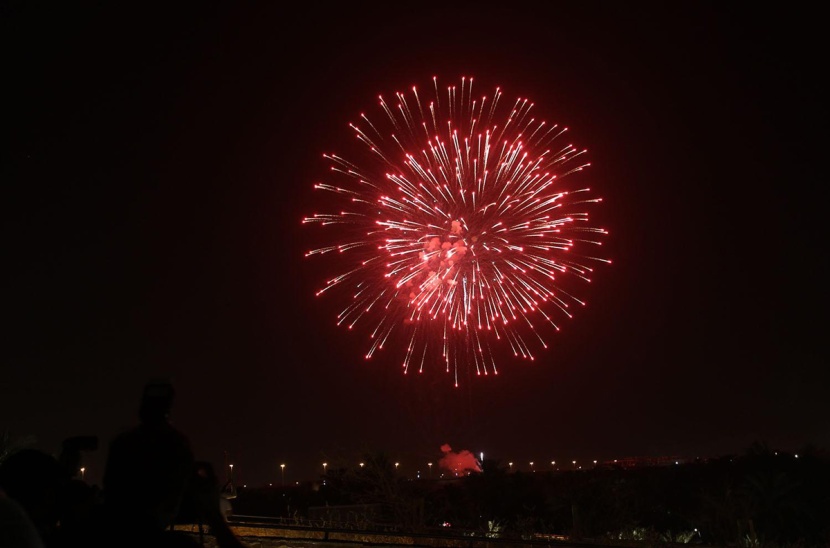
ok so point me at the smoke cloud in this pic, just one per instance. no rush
(458, 463)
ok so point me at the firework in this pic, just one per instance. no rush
(457, 230)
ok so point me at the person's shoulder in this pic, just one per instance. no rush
(109, 535)
(16, 529)
(162, 539)
(179, 539)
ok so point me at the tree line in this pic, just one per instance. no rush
(758, 498)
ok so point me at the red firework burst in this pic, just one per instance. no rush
(456, 230)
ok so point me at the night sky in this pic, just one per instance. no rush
(157, 163)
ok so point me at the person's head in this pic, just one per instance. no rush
(147, 471)
(35, 480)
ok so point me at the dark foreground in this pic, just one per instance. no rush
(761, 498)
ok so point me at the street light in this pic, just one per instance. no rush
(430, 468)
(510, 464)
(282, 472)
(361, 465)
(82, 472)
(324, 467)
(531, 467)
(396, 466)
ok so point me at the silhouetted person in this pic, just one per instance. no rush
(78, 503)
(16, 529)
(150, 474)
(35, 480)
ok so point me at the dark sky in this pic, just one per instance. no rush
(158, 161)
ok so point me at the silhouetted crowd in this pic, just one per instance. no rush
(151, 482)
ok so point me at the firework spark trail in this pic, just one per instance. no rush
(457, 231)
